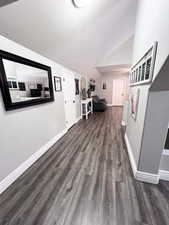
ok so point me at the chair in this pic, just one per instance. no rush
(99, 105)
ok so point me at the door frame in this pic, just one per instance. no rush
(124, 79)
(69, 125)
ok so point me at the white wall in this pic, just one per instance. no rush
(120, 55)
(165, 163)
(75, 37)
(108, 79)
(155, 131)
(134, 128)
(152, 25)
(24, 131)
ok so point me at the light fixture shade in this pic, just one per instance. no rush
(79, 3)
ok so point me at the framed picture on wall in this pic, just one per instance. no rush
(142, 71)
(104, 86)
(77, 86)
(20, 90)
(134, 101)
(58, 83)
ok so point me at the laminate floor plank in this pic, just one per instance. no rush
(85, 179)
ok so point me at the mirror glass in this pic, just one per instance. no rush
(26, 82)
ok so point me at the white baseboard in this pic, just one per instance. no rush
(78, 118)
(166, 152)
(164, 175)
(131, 157)
(123, 123)
(7, 181)
(140, 175)
(147, 177)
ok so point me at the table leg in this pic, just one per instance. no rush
(91, 106)
(86, 112)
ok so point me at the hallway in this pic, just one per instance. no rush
(85, 179)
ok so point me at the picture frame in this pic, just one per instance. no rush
(11, 92)
(58, 83)
(77, 91)
(104, 86)
(142, 71)
(134, 102)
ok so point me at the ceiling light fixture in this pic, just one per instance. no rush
(79, 3)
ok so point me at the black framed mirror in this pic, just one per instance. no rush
(24, 82)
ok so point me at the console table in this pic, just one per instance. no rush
(86, 107)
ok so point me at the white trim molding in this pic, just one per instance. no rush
(78, 118)
(74, 122)
(147, 177)
(166, 152)
(109, 105)
(164, 175)
(13, 176)
(123, 123)
(131, 157)
(140, 175)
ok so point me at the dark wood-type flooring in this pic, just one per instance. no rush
(85, 179)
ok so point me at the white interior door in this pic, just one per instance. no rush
(120, 91)
(69, 99)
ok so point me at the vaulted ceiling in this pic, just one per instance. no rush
(78, 38)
